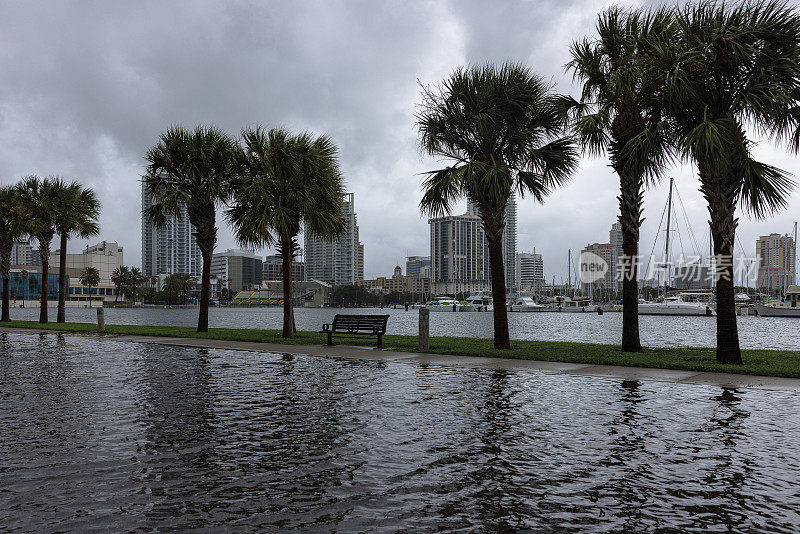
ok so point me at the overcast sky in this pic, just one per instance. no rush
(87, 87)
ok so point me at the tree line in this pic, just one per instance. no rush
(658, 86)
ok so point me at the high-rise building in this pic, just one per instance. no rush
(273, 269)
(170, 249)
(777, 267)
(460, 253)
(416, 266)
(236, 269)
(606, 252)
(340, 261)
(105, 257)
(22, 253)
(530, 271)
(615, 238)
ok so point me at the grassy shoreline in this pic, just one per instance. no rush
(757, 362)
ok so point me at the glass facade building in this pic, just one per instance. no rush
(33, 286)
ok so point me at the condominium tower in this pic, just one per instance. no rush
(777, 262)
(460, 253)
(340, 261)
(170, 249)
(530, 271)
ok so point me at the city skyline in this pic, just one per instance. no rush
(102, 106)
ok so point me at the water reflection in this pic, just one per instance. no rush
(121, 436)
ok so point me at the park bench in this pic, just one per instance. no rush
(357, 325)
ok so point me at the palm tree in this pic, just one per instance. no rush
(616, 115)
(500, 128)
(11, 229)
(78, 212)
(189, 173)
(727, 66)
(24, 275)
(119, 278)
(286, 182)
(39, 207)
(135, 280)
(90, 277)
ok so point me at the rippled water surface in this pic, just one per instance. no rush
(124, 436)
(754, 332)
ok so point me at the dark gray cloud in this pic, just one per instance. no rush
(88, 86)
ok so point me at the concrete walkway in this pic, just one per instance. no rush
(366, 353)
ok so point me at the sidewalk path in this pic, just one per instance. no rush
(366, 353)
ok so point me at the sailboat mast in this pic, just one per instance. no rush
(569, 271)
(666, 248)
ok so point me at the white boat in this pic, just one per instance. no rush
(480, 301)
(789, 306)
(525, 304)
(687, 303)
(569, 305)
(443, 304)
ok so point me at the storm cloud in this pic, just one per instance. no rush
(87, 87)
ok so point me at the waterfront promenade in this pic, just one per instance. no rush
(357, 352)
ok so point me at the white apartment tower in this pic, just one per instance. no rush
(171, 249)
(530, 271)
(340, 261)
(460, 252)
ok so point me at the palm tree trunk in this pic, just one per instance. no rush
(288, 310)
(728, 349)
(498, 273)
(44, 255)
(205, 292)
(90, 294)
(5, 268)
(630, 204)
(61, 316)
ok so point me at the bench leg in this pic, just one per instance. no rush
(330, 341)
(380, 341)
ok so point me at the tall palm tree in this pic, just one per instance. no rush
(189, 172)
(11, 229)
(135, 281)
(119, 278)
(90, 277)
(500, 126)
(286, 182)
(78, 212)
(39, 206)
(616, 115)
(727, 66)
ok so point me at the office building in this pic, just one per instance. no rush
(530, 272)
(777, 262)
(340, 261)
(170, 249)
(273, 269)
(104, 256)
(460, 253)
(237, 269)
(416, 266)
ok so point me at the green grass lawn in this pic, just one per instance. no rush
(757, 362)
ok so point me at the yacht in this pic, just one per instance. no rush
(443, 304)
(788, 307)
(480, 301)
(686, 303)
(572, 305)
(525, 304)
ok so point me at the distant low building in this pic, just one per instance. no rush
(397, 283)
(237, 269)
(105, 256)
(273, 269)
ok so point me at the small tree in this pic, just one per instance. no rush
(90, 277)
